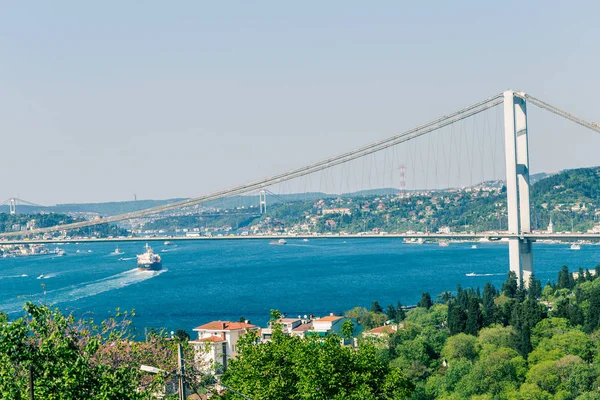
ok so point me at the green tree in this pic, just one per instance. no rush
(182, 335)
(425, 301)
(347, 330)
(400, 313)
(535, 288)
(289, 367)
(391, 312)
(76, 359)
(474, 317)
(565, 279)
(460, 346)
(510, 286)
(489, 306)
(375, 307)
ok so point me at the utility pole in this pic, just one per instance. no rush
(181, 371)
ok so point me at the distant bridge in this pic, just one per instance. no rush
(516, 150)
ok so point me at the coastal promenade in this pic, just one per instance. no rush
(496, 236)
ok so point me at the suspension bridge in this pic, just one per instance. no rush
(517, 181)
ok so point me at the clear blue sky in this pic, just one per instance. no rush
(174, 99)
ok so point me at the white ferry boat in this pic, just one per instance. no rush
(149, 261)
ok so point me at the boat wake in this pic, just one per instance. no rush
(474, 274)
(126, 258)
(47, 276)
(13, 276)
(88, 289)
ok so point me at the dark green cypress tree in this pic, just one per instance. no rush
(375, 307)
(489, 307)
(474, 317)
(425, 301)
(510, 286)
(580, 275)
(564, 278)
(521, 292)
(391, 312)
(592, 316)
(535, 288)
(462, 297)
(456, 318)
(400, 313)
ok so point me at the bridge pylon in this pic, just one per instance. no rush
(517, 184)
(262, 201)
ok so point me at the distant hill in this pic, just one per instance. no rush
(580, 185)
(568, 186)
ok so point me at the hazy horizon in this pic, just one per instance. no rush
(101, 101)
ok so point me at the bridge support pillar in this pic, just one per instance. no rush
(12, 206)
(517, 184)
(262, 202)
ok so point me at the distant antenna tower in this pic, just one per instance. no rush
(134, 197)
(402, 180)
(262, 202)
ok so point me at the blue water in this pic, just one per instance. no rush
(210, 280)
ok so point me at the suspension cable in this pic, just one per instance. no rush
(315, 167)
(555, 110)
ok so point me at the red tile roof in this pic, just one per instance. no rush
(382, 329)
(224, 326)
(303, 327)
(329, 318)
(288, 320)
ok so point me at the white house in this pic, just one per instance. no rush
(216, 343)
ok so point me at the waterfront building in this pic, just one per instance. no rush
(216, 343)
(329, 324)
(309, 326)
(381, 331)
(290, 326)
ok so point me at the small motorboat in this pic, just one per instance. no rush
(41, 276)
(474, 246)
(471, 274)
(278, 242)
(575, 246)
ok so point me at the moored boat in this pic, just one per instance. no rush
(575, 246)
(278, 242)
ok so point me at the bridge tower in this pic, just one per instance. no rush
(12, 206)
(517, 184)
(262, 202)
